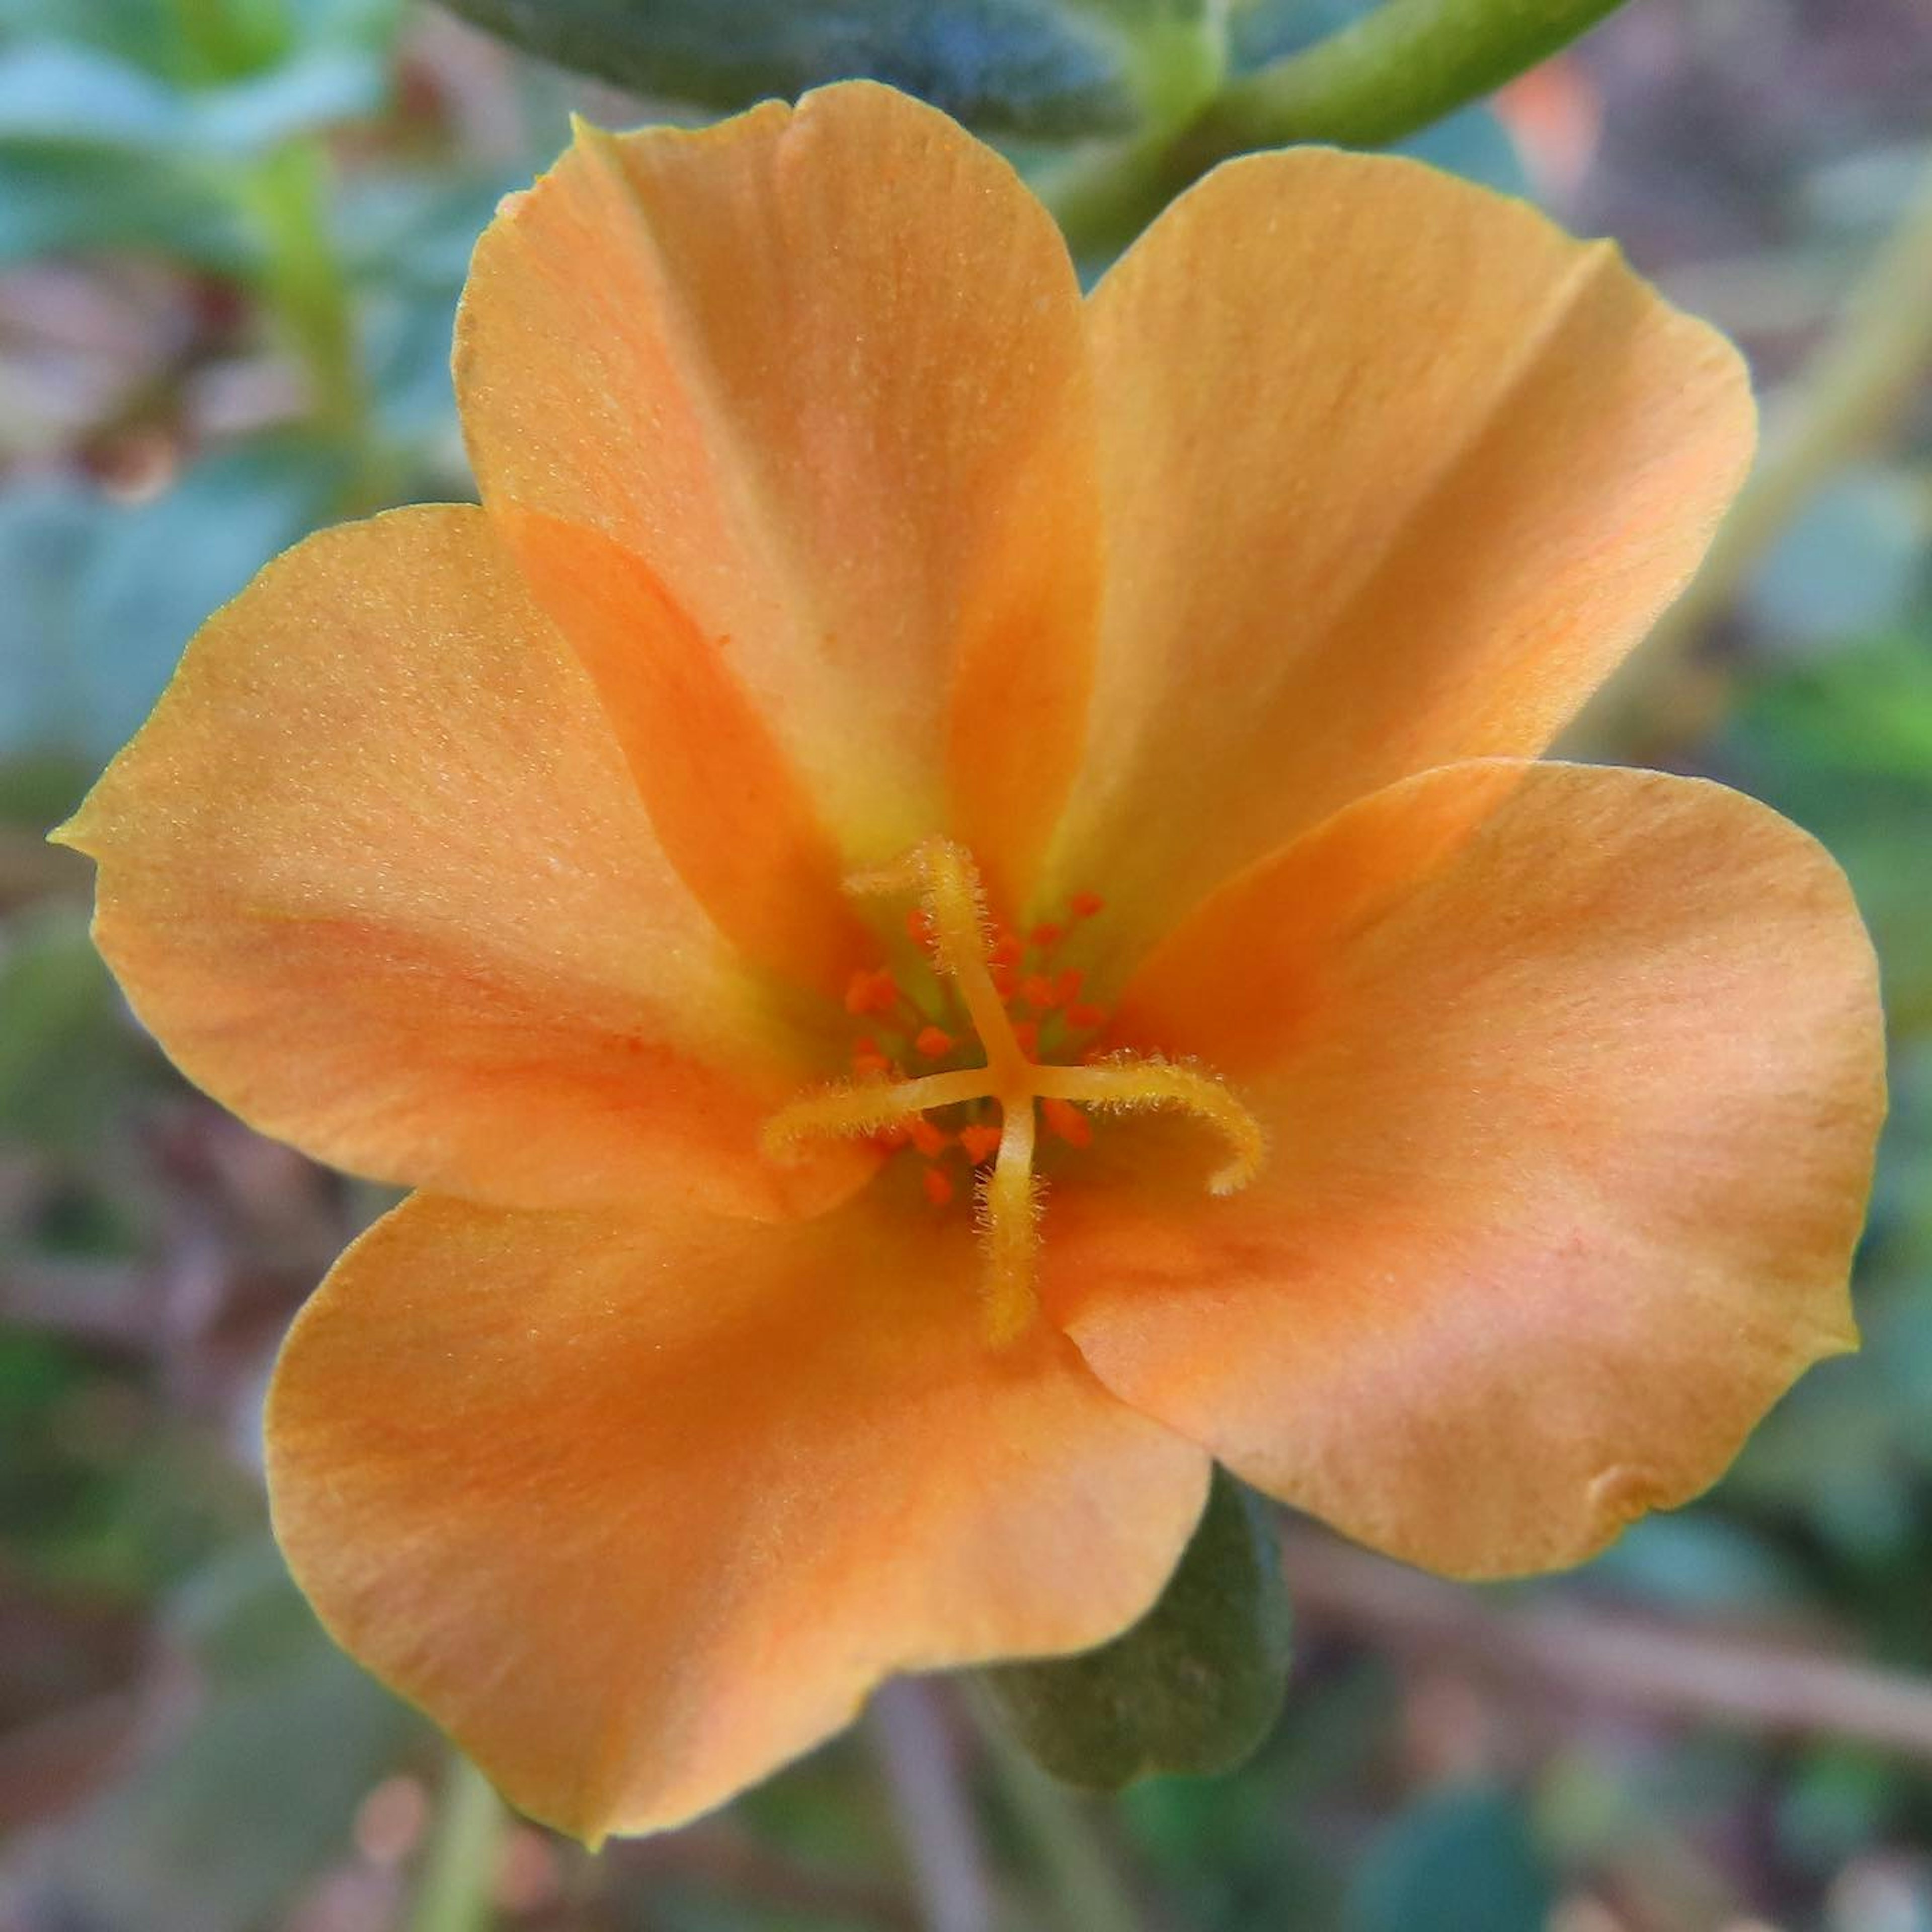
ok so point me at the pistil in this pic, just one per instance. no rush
(951, 919)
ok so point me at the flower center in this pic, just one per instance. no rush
(982, 971)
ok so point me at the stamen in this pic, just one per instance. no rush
(989, 966)
(1122, 1081)
(871, 992)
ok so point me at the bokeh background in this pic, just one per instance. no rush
(231, 234)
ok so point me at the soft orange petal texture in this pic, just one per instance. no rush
(1572, 1078)
(376, 875)
(731, 813)
(823, 372)
(639, 1509)
(1395, 472)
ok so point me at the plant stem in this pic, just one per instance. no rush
(1086, 1885)
(1389, 74)
(453, 1893)
(933, 1807)
(1850, 393)
(288, 193)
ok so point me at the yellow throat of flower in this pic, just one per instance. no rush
(953, 921)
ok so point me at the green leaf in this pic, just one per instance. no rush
(59, 98)
(1464, 1862)
(1016, 67)
(67, 200)
(101, 596)
(71, 96)
(1192, 1688)
(147, 32)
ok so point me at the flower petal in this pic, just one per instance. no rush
(376, 875)
(1573, 1077)
(641, 1509)
(826, 377)
(1395, 472)
(729, 809)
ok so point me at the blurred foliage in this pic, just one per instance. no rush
(231, 235)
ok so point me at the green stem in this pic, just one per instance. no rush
(1088, 1891)
(453, 1893)
(1850, 394)
(1390, 74)
(289, 192)
(1397, 70)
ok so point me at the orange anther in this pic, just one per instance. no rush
(1067, 988)
(1064, 1119)
(981, 1143)
(918, 925)
(1037, 990)
(873, 992)
(1026, 1033)
(938, 1187)
(871, 1063)
(934, 1041)
(1085, 905)
(931, 1140)
(891, 1138)
(1006, 980)
(1047, 937)
(1006, 951)
(1080, 1018)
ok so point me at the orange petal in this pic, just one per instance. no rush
(1573, 1077)
(731, 813)
(1395, 473)
(537, 1472)
(824, 372)
(377, 876)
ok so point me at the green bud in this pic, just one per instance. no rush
(1194, 1687)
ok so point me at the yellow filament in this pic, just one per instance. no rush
(942, 878)
(1125, 1082)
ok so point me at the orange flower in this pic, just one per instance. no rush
(885, 715)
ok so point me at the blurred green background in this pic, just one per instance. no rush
(232, 235)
